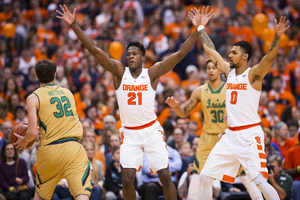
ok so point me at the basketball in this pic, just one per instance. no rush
(20, 129)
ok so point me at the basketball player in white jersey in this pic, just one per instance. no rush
(135, 89)
(243, 140)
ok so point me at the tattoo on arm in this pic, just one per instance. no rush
(189, 107)
(274, 43)
(216, 64)
(205, 39)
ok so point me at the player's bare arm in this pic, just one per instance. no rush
(189, 105)
(201, 19)
(161, 68)
(32, 131)
(258, 72)
(114, 66)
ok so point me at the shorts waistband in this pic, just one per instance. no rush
(63, 140)
(141, 127)
(239, 128)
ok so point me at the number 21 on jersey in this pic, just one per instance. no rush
(134, 98)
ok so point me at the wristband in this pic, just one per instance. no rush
(11, 188)
(199, 28)
(298, 168)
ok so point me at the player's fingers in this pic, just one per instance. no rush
(59, 12)
(18, 136)
(62, 8)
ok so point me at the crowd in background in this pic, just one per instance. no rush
(162, 26)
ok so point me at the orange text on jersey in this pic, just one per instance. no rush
(135, 87)
(239, 86)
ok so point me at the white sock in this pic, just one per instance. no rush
(204, 188)
(194, 187)
(253, 191)
(268, 191)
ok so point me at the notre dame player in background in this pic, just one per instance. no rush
(59, 155)
(212, 98)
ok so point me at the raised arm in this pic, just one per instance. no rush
(114, 66)
(163, 67)
(189, 105)
(259, 71)
(207, 44)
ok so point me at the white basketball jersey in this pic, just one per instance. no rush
(241, 100)
(136, 99)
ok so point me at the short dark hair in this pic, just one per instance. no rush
(276, 77)
(45, 70)
(246, 47)
(114, 149)
(2, 154)
(136, 44)
(292, 123)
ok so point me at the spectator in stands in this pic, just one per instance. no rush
(114, 141)
(84, 75)
(282, 97)
(62, 191)
(96, 171)
(91, 114)
(281, 138)
(105, 139)
(20, 115)
(280, 181)
(289, 113)
(113, 178)
(152, 187)
(270, 118)
(60, 79)
(31, 83)
(292, 167)
(286, 74)
(293, 127)
(13, 174)
(6, 128)
(178, 136)
(184, 149)
(108, 121)
(271, 148)
(90, 136)
(9, 87)
(27, 59)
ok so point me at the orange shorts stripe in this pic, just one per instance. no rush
(259, 147)
(265, 174)
(239, 128)
(141, 127)
(263, 164)
(262, 155)
(227, 178)
(139, 168)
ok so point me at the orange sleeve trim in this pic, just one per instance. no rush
(262, 155)
(263, 164)
(227, 178)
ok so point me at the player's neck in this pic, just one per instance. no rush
(42, 84)
(241, 69)
(136, 72)
(215, 85)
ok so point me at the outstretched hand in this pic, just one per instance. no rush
(200, 18)
(281, 27)
(172, 102)
(68, 17)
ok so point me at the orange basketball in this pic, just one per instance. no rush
(20, 129)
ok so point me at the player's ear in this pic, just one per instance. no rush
(245, 56)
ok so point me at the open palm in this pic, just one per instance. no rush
(281, 27)
(200, 18)
(68, 17)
